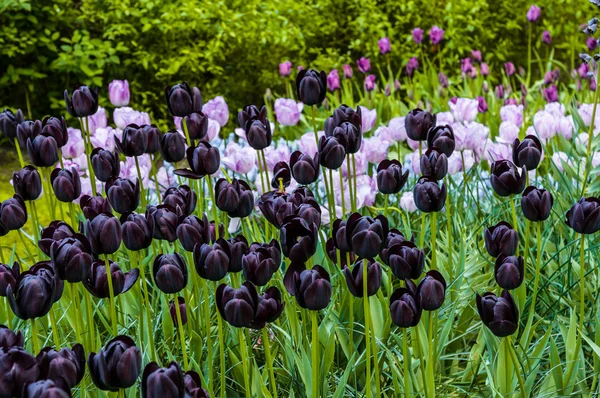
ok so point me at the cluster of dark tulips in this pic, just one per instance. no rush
(108, 224)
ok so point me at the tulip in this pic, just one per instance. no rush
(197, 125)
(269, 308)
(19, 369)
(366, 235)
(133, 141)
(431, 291)
(66, 184)
(193, 385)
(182, 310)
(405, 308)
(117, 365)
(501, 239)
(183, 100)
(384, 45)
(137, 231)
(64, 367)
(418, 123)
(261, 262)
(9, 122)
(434, 164)
(394, 237)
(28, 129)
(346, 125)
(584, 216)
(354, 277)
(527, 153)
(536, 204)
(172, 147)
(34, 292)
(203, 160)
(13, 214)
(170, 272)
(193, 230)
(238, 306)
(436, 35)
(160, 382)
(305, 169)
(238, 247)
(332, 152)
(212, 262)
(364, 64)
(505, 178)
(44, 389)
(104, 233)
(152, 135)
(182, 197)
(405, 260)
(499, 314)
(533, 13)
(282, 175)
(83, 102)
(8, 277)
(276, 206)
(311, 86)
(166, 220)
(429, 196)
(94, 205)
(27, 183)
(56, 231)
(57, 128)
(508, 271)
(310, 211)
(390, 178)
(123, 194)
(441, 138)
(411, 66)
(97, 282)
(235, 198)
(312, 288)
(105, 163)
(298, 239)
(285, 68)
(42, 150)
(71, 258)
(255, 124)
(118, 92)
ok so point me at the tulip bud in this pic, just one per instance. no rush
(441, 138)
(261, 262)
(499, 314)
(71, 258)
(182, 197)
(193, 385)
(501, 239)
(44, 389)
(203, 160)
(94, 205)
(182, 310)
(238, 247)
(429, 197)
(66, 184)
(118, 92)
(282, 175)
(235, 198)
(27, 183)
(527, 153)
(366, 235)
(197, 125)
(172, 147)
(237, 306)
(65, 367)
(13, 214)
(298, 239)
(123, 194)
(311, 86)
(9, 122)
(332, 152)
(405, 308)
(8, 277)
(104, 233)
(354, 277)
(97, 282)
(9, 339)
(431, 291)
(536, 204)
(170, 272)
(434, 165)
(312, 288)
(137, 231)
(269, 308)
(105, 163)
(117, 365)
(43, 150)
(28, 129)
(505, 178)
(83, 102)
(276, 206)
(390, 178)
(584, 216)
(256, 126)
(417, 123)
(193, 230)
(34, 292)
(405, 260)
(133, 141)
(160, 382)
(56, 231)
(508, 271)
(305, 169)
(183, 100)
(57, 128)
(165, 220)
(152, 134)
(212, 262)
(339, 236)
(19, 369)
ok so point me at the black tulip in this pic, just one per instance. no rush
(34, 293)
(282, 175)
(183, 197)
(197, 125)
(172, 146)
(354, 277)
(71, 258)
(8, 277)
(45, 389)
(237, 306)
(29, 129)
(137, 231)
(238, 246)
(417, 123)
(83, 101)
(13, 214)
(166, 220)
(65, 367)
(123, 194)
(97, 282)
(269, 308)
(66, 184)
(298, 239)
(19, 369)
(152, 134)
(170, 272)
(9, 122)
(91, 206)
(160, 382)
(56, 128)
(182, 310)
(501, 239)
(9, 339)
(193, 385)
(332, 152)
(441, 138)
(505, 178)
(394, 237)
(339, 236)
(261, 262)
(429, 196)
(183, 99)
(528, 153)
(508, 271)
(584, 216)
(310, 211)
(105, 163)
(212, 262)
(311, 86)
(192, 230)
(391, 178)
(27, 183)
(133, 141)
(305, 169)
(276, 206)
(405, 260)
(43, 150)
(536, 204)
(57, 230)
(499, 314)
(117, 365)
(312, 288)
(104, 233)
(366, 235)
(235, 197)
(346, 126)
(203, 160)
(431, 291)
(255, 124)
(405, 307)
(434, 165)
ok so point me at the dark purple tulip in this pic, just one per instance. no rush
(97, 282)
(66, 184)
(508, 271)
(192, 230)
(160, 382)
(584, 216)
(527, 153)
(203, 160)
(291, 274)
(170, 272)
(56, 231)
(305, 169)
(28, 129)
(390, 176)
(332, 152)
(8, 277)
(434, 164)
(104, 233)
(56, 128)
(19, 369)
(298, 239)
(152, 134)
(311, 86)
(193, 385)
(417, 123)
(9, 339)
(35, 291)
(441, 138)
(182, 310)
(310, 211)
(123, 194)
(349, 133)
(237, 306)
(238, 247)
(137, 231)
(366, 235)
(339, 236)
(43, 150)
(27, 183)
(405, 307)
(536, 204)
(45, 389)
(212, 262)
(183, 99)
(393, 237)
(182, 197)
(117, 365)
(133, 141)
(83, 101)
(9, 122)
(255, 124)
(354, 277)
(501, 239)
(269, 308)
(429, 196)
(235, 197)
(94, 205)
(65, 367)
(499, 314)
(197, 125)
(345, 114)
(505, 178)
(13, 214)
(346, 126)
(282, 175)
(312, 288)
(172, 146)
(105, 163)
(71, 258)
(261, 262)
(405, 260)
(166, 220)
(213, 232)
(276, 206)
(431, 291)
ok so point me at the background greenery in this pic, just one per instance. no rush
(233, 47)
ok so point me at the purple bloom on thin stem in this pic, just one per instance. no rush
(476, 55)
(370, 82)
(364, 64)
(550, 94)
(482, 106)
(533, 14)
(546, 38)
(217, 109)
(288, 111)
(348, 71)
(591, 43)
(443, 80)
(384, 45)
(436, 35)
(118, 92)
(412, 66)
(509, 67)
(333, 80)
(417, 34)
(285, 68)
(484, 69)
(499, 91)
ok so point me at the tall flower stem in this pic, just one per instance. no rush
(211, 190)
(90, 320)
(514, 214)
(204, 287)
(529, 55)
(518, 371)
(367, 310)
(581, 282)
(85, 125)
(433, 240)
(314, 122)
(34, 336)
(146, 299)
(342, 193)
(244, 349)
(351, 310)
(430, 370)
(354, 175)
(180, 331)
(350, 187)
(75, 301)
(536, 282)
(55, 335)
(19, 154)
(222, 390)
(449, 265)
(269, 361)
(406, 360)
(111, 293)
(315, 354)
(591, 135)
(142, 190)
(48, 192)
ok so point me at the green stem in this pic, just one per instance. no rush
(88, 150)
(75, 301)
(582, 282)
(147, 306)
(367, 310)
(34, 337)
(214, 205)
(529, 55)
(90, 321)
(223, 389)
(208, 335)
(314, 122)
(430, 360)
(55, 333)
(244, 349)
(142, 190)
(121, 393)
(269, 361)
(341, 192)
(406, 359)
(19, 154)
(536, 282)
(354, 177)
(514, 214)
(351, 310)
(111, 293)
(434, 240)
(516, 365)
(181, 331)
(315, 354)
(591, 136)
(350, 187)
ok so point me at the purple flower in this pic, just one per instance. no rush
(484, 69)
(368, 117)
(288, 111)
(417, 34)
(98, 120)
(583, 70)
(376, 149)
(370, 82)
(476, 55)
(299, 68)
(483, 106)
(546, 38)
(384, 45)
(533, 13)
(513, 114)
(407, 202)
(75, 145)
(364, 64)
(412, 65)
(217, 109)
(436, 35)
(333, 80)
(593, 83)
(508, 132)
(285, 68)
(591, 43)
(124, 116)
(239, 159)
(118, 92)
(549, 77)
(347, 71)
(467, 68)
(105, 138)
(509, 67)
(464, 109)
(550, 94)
